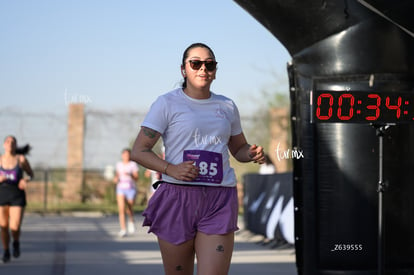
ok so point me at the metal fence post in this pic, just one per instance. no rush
(45, 195)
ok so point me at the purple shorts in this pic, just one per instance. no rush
(176, 213)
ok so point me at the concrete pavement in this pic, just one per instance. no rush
(89, 245)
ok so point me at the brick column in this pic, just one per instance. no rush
(76, 134)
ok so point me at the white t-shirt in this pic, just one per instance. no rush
(125, 170)
(197, 130)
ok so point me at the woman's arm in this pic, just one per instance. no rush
(142, 153)
(2, 177)
(116, 178)
(244, 152)
(135, 175)
(142, 150)
(26, 165)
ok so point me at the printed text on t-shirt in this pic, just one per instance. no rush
(205, 139)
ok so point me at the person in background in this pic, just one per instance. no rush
(195, 208)
(125, 179)
(154, 176)
(267, 167)
(13, 164)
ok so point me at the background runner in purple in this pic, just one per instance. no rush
(125, 179)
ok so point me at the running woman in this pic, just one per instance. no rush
(13, 164)
(125, 178)
(195, 209)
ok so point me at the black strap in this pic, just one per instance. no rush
(156, 184)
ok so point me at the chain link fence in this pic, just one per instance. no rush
(106, 134)
(45, 193)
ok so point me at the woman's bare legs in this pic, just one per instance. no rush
(121, 211)
(16, 218)
(213, 253)
(130, 213)
(11, 220)
(177, 259)
(4, 224)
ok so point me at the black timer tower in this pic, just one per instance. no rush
(354, 190)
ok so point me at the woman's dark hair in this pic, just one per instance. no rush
(126, 150)
(185, 55)
(22, 150)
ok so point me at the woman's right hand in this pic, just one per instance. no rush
(3, 178)
(22, 184)
(185, 171)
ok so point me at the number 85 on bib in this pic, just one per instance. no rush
(210, 165)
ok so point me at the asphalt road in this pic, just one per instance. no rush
(80, 244)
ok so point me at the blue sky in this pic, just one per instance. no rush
(122, 54)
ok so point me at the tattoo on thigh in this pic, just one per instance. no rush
(179, 268)
(220, 248)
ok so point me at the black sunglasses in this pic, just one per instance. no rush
(196, 64)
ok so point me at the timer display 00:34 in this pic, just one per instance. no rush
(362, 107)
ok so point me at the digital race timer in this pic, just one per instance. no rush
(362, 106)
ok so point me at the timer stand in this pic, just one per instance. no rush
(382, 186)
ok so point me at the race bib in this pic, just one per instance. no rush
(210, 165)
(11, 176)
